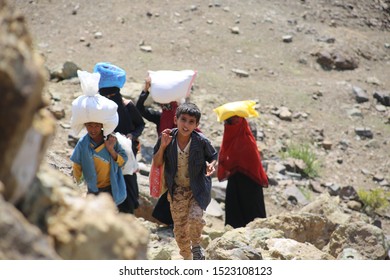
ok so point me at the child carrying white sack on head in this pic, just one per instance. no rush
(98, 156)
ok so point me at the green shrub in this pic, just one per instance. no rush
(375, 199)
(306, 192)
(304, 153)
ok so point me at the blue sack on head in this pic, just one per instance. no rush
(110, 75)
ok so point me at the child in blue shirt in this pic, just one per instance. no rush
(99, 161)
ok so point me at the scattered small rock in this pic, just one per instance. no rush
(98, 35)
(235, 30)
(240, 73)
(147, 49)
(360, 94)
(287, 38)
(364, 132)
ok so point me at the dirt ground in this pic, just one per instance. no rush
(216, 37)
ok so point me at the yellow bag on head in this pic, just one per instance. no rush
(243, 109)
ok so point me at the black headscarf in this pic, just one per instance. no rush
(113, 93)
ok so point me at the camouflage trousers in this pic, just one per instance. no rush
(187, 219)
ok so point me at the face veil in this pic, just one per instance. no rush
(113, 93)
(239, 153)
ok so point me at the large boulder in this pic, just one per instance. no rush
(331, 208)
(238, 244)
(82, 227)
(289, 249)
(25, 126)
(368, 240)
(303, 227)
(21, 240)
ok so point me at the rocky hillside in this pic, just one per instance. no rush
(318, 70)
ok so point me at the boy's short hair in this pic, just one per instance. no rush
(189, 109)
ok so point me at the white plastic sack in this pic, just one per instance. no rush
(167, 86)
(92, 107)
(131, 166)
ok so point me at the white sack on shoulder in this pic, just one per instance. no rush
(92, 107)
(167, 86)
(131, 165)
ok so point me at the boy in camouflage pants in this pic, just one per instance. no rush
(189, 160)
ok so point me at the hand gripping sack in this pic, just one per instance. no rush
(131, 165)
(239, 108)
(92, 107)
(167, 86)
